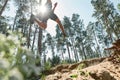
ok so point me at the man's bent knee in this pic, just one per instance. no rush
(44, 26)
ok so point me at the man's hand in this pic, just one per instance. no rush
(55, 4)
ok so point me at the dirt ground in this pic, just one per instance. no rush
(105, 70)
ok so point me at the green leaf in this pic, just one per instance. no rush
(74, 76)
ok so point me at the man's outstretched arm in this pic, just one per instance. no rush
(55, 5)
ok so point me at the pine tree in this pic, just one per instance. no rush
(107, 15)
(3, 7)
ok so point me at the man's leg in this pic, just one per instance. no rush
(41, 24)
(60, 26)
(56, 19)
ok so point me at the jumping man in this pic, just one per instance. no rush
(43, 18)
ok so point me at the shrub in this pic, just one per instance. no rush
(16, 61)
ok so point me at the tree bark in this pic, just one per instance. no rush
(40, 41)
(69, 53)
(28, 38)
(34, 39)
(3, 7)
(83, 50)
(97, 43)
(14, 22)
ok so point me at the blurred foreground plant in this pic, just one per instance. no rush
(16, 61)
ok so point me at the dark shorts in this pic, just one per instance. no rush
(50, 15)
(53, 16)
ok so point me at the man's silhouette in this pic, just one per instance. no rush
(42, 19)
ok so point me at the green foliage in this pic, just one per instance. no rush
(83, 73)
(119, 6)
(55, 60)
(43, 77)
(47, 65)
(16, 61)
(74, 76)
(66, 61)
(3, 24)
(81, 66)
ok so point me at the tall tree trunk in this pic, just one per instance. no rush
(107, 25)
(39, 46)
(75, 56)
(63, 56)
(98, 47)
(81, 54)
(34, 39)
(68, 52)
(3, 7)
(52, 48)
(28, 38)
(114, 28)
(14, 22)
(29, 33)
(40, 42)
(83, 51)
(44, 58)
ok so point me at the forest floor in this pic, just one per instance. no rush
(107, 68)
(94, 69)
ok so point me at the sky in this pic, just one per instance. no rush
(82, 7)
(66, 8)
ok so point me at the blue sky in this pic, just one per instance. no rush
(83, 7)
(67, 7)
